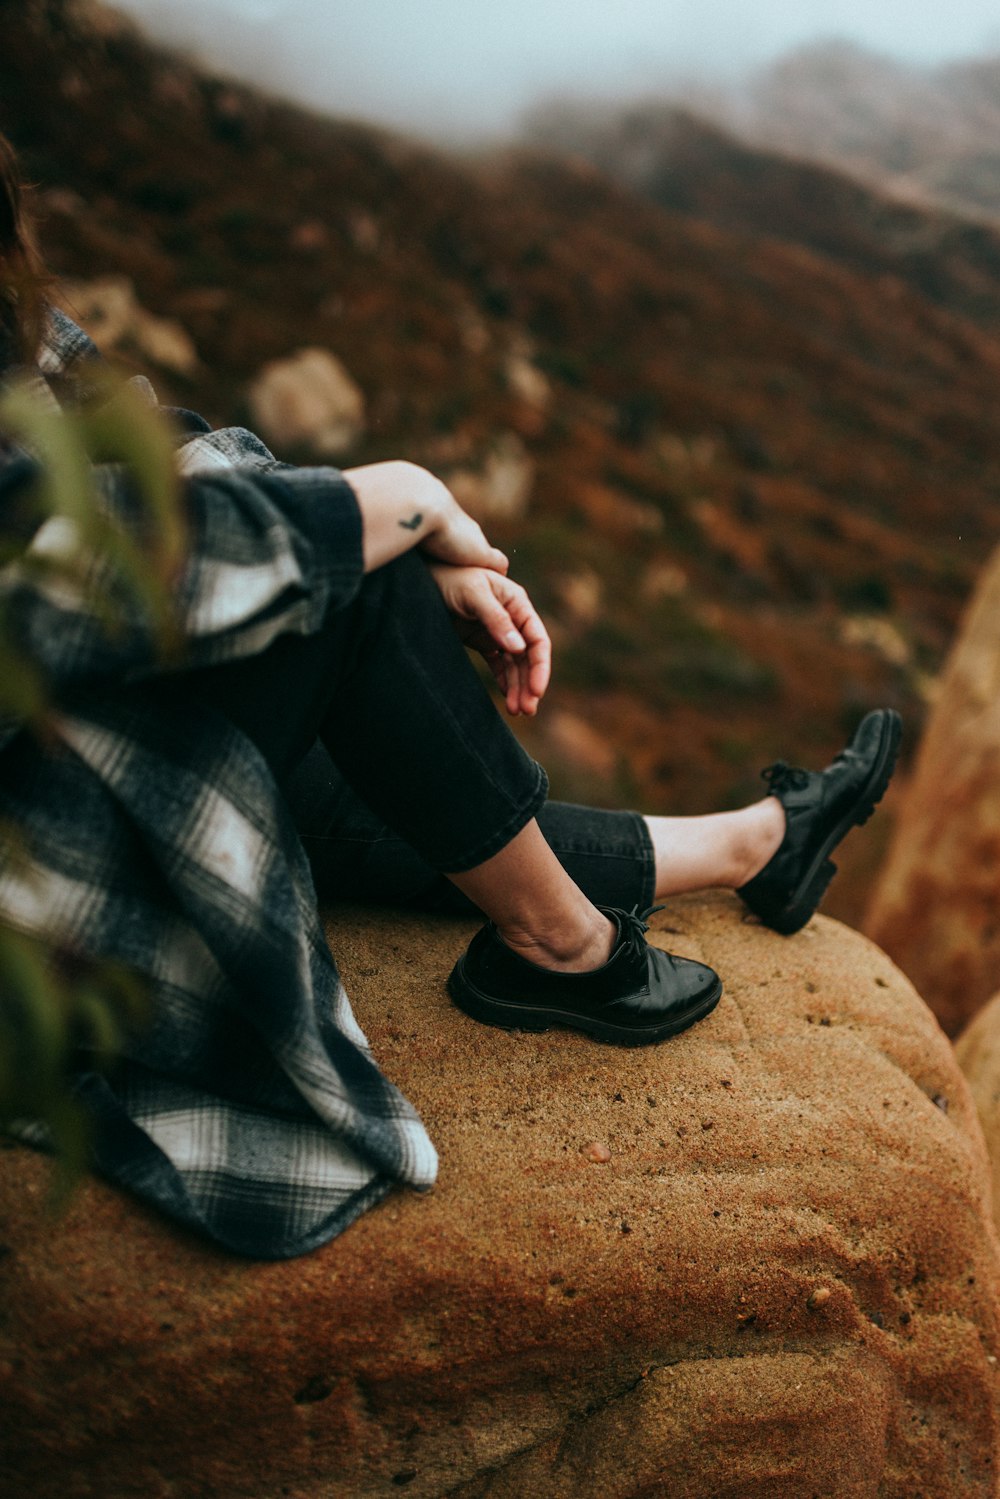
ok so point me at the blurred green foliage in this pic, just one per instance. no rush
(54, 1008)
(56, 1005)
(867, 593)
(673, 657)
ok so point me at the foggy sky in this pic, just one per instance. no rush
(468, 67)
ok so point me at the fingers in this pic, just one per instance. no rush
(499, 621)
(516, 627)
(535, 665)
(511, 673)
(497, 617)
(468, 593)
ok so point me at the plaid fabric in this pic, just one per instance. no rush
(251, 1108)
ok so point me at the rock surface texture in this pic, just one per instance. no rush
(756, 1262)
(978, 1053)
(936, 908)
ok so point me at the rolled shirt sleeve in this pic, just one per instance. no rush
(270, 550)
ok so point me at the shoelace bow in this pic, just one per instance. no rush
(634, 925)
(780, 774)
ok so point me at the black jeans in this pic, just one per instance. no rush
(397, 764)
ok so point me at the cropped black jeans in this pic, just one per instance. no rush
(397, 765)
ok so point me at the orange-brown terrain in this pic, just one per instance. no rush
(756, 1262)
(764, 471)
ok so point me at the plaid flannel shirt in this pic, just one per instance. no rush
(250, 1108)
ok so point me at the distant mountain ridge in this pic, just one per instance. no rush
(693, 167)
(930, 136)
(926, 137)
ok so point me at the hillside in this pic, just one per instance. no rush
(763, 478)
(695, 168)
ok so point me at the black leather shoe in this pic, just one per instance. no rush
(821, 808)
(639, 995)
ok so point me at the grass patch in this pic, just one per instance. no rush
(869, 594)
(675, 658)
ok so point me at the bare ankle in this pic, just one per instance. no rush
(573, 948)
(761, 841)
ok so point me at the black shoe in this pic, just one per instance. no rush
(641, 994)
(821, 807)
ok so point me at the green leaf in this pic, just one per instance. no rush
(66, 480)
(51, 1004)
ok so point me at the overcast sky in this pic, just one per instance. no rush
(443, 65)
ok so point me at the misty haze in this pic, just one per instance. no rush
(467, 71)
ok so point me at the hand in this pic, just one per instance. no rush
(457, 539)
(495, 616)
(404, 506)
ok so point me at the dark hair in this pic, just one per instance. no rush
(23, 280)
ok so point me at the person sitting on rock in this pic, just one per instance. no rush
(325, 701)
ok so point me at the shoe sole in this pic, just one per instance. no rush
(515, 1017)
(812, 887)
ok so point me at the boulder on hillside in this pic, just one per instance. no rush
(501, 487)
(754, 1261)
(308, 401)
(527, 381)
(936, 907)
(109, 310)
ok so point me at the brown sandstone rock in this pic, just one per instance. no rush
(978, 1052)
(780, 1281)
(936, 909)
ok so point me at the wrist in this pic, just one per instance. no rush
(429, 495)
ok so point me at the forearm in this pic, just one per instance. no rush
(267, 553)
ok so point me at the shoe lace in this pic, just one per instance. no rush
(634, 924)
(781, 776)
